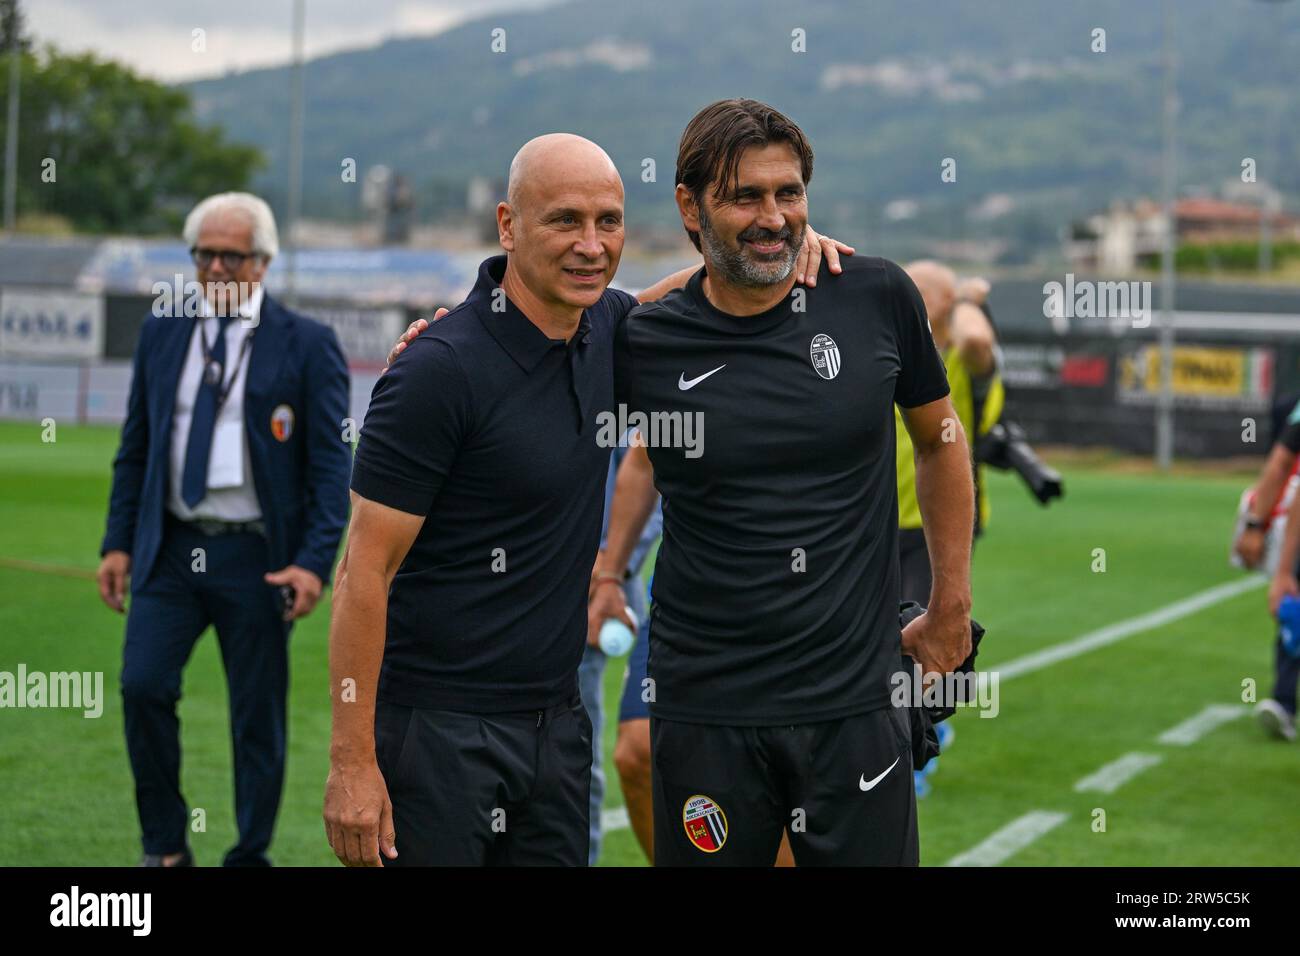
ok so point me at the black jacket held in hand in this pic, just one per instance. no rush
(925, 742)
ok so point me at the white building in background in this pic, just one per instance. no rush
(1117, 240)
(1130, 235)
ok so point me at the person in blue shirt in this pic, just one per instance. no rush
(632, 709)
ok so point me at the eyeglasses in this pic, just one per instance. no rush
(231, 259)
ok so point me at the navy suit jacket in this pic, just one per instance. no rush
(301, 482)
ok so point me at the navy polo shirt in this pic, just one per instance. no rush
(488, 428)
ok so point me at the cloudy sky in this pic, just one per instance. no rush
(156, 36)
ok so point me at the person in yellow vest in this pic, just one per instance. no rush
(966, 340)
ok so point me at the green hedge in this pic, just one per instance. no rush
(1237, 256)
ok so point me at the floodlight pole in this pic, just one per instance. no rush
(11, 134)
(295, 155)
(1168, 277)
(1270, 202)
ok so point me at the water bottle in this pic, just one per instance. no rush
(616, 637)
(1288, 615)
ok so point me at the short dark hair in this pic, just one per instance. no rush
(715, 138)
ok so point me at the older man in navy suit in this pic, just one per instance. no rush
(230, 493)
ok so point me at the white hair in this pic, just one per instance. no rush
(266, 240)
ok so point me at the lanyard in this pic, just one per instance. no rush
(212, 370)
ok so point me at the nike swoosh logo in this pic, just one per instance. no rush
(864, 784)
(686, 385)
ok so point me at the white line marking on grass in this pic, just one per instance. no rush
(615, 818)
(1194, 728)
(1135, 625)
(1115, 774)
(1010, 840)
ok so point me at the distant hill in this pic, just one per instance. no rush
(886, 90)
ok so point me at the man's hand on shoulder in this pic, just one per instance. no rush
(412, 330)
(815, 247)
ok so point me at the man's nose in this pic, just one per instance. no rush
(588, 243)
(769, 216)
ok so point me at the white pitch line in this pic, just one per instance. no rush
(1115, 774)
(1010, 840)
(1194, 728)
(1117, 632)
(615, 818)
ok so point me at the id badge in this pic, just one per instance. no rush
(226, 463)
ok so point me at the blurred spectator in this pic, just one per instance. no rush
(1266, 511)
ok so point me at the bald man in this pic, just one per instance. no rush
(476, 511)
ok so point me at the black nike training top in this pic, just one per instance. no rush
(776, 589)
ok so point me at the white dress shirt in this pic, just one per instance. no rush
(231, 495)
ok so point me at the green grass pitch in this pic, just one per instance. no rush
(1228, 799)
